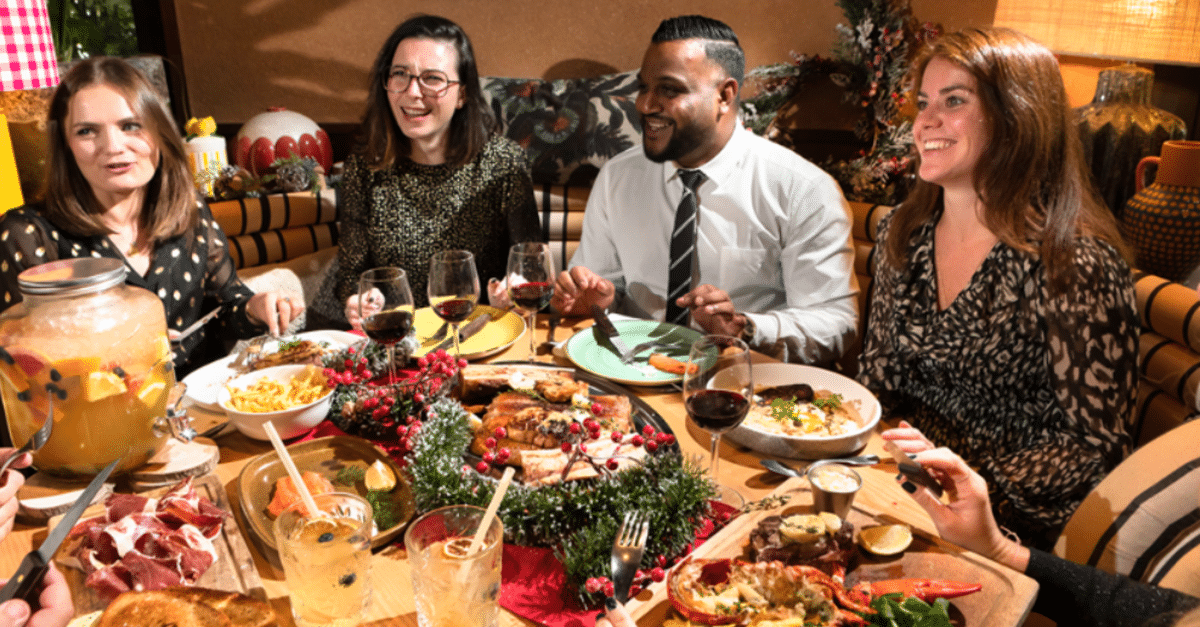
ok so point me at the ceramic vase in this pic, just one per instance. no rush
(1162, 220)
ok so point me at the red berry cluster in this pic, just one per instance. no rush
(356, 370)
(498, 456)
(653, 439)
(641, 579)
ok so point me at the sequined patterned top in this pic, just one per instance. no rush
(191, 273)
(1034, 390)
(402, 215)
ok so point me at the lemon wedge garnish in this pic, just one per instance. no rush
(379, 477)
(101, 385)
(885, 539)
(150, 393)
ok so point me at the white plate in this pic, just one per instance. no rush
(205, 382)
(809, 447)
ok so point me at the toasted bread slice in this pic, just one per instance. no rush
(242, 610)
(186, 607)
(159, 608)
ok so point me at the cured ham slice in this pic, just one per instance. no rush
(142, 543)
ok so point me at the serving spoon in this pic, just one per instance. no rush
(788, 471)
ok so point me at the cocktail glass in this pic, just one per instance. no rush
(327, 559)
(451, 587)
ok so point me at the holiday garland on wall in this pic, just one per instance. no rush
(870, 61)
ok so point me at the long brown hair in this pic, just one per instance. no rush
(382, 142)
(1033, 180)
(169, 205)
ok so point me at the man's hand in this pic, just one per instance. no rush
(577, 289)
(713, 311)
(55, 599)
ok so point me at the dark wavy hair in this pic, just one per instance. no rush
(382, 142)
(169, 206)
(1033, 180)
(723, 47)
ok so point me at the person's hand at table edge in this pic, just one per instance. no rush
(713, 311)
(577, 289)
(275, 309)
(55, 600)
(13, 481)
(966, 519)
(908, 438)
(614, 615)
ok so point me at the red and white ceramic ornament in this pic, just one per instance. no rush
(278, 134)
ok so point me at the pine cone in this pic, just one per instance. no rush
(293, 177)
(232, 182)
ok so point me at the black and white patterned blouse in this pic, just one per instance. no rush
(191, 274)
(1035, 391)
(402, 215)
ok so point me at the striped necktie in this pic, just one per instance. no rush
(683, 247)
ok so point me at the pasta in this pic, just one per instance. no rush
(267, 395)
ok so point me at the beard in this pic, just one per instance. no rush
(684, 140)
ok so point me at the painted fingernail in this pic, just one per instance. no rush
(912, 455)
(599, 615)
(900, 477)
(610, 603)
(909, 487)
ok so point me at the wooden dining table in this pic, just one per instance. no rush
(880, 496)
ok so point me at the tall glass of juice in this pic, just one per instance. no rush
(451, 585)
(327, 559)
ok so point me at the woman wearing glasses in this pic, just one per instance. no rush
(432, 172)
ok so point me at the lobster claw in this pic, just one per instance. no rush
(924, 589)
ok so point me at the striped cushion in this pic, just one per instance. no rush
(274, 211)
(1143, 520)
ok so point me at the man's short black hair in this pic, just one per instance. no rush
(723, 47)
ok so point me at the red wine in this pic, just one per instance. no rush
(454, 310)
(388, 327)
(717, 411)
(532, 296)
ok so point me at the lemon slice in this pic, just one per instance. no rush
(802, 528)
(101, 385)
(885, 539)
(379, 477)
(457, 548)
(150, 393)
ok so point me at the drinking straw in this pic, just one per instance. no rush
(493, 507)
(290, 465)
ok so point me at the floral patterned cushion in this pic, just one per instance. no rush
(568, 127)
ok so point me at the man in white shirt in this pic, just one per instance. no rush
(767, 237)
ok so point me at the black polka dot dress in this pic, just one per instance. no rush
(1034, 390)
(191, 274)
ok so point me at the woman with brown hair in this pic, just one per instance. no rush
(432, 172)
(1002, 321)
(119, 186)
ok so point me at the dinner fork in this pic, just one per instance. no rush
(39, 437)
(632, 356)
(628, 547)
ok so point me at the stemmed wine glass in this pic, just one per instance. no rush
(385, 305)
(453, 288)
(718, 386)
(530, 280)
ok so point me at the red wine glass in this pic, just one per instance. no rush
(530, 281)
(385, 305)
(718, 387)
(453, 288)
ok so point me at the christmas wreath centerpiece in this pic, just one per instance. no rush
(428, 432)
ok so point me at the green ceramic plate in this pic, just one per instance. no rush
(592, 352)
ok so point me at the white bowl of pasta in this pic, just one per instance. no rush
(807, 432)
(294, 398)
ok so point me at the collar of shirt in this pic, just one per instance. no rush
(716, 170)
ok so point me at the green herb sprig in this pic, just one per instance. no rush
(894, 610)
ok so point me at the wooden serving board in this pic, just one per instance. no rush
(234, 569)
(1005, 600)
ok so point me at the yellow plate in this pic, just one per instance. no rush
(494, 337)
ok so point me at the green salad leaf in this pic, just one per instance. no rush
(894, 610)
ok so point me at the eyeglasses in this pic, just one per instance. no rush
(431, 82)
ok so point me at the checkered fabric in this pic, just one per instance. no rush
(28, 61)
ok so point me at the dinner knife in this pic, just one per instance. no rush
(465, 332)
(26, 583)
(195, 326)
(606, 329)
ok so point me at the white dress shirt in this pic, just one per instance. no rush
(773, 232)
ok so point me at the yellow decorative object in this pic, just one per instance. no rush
(202, 127)
(10, 185)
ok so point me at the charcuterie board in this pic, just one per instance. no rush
(233, 570)
(1005, 600)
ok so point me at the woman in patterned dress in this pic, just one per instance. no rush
(120, 187)
(1002, 320)
(432, 174)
